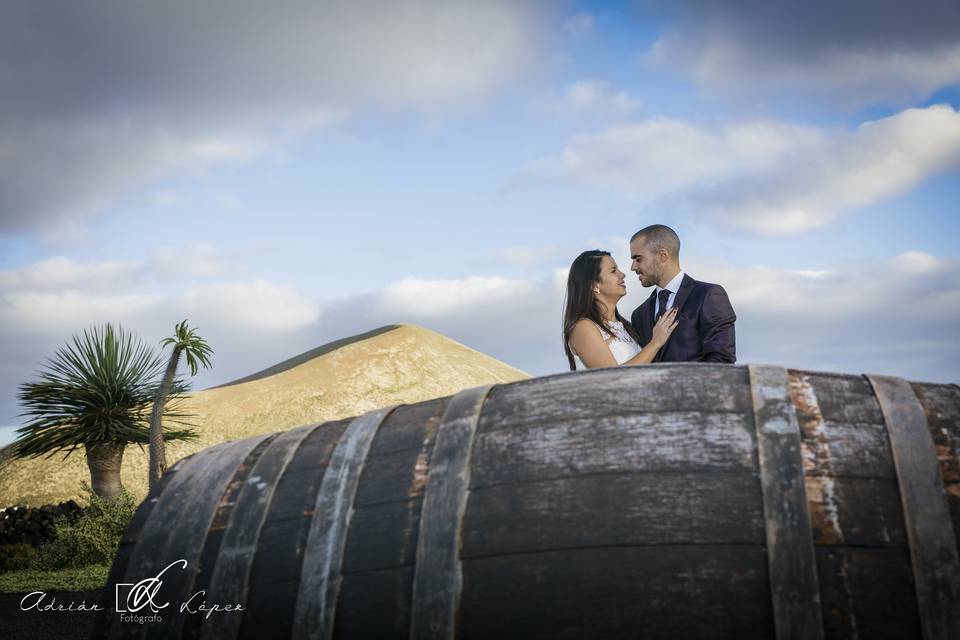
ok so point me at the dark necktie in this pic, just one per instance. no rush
(663, 296)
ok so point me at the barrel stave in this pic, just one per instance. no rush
(408, 427)
(612, 510)
(383, 536)
(843, 398)
(855, 511)
(696, 592)
(681, 440)
(867, 593)
(375, 604)
(855, 507)
(275, 572)
(622, 391)
(213, 543)
(377, 576)
(842, 432)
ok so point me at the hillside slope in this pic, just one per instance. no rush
(392, 365)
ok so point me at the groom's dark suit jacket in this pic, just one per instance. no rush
(705, 332)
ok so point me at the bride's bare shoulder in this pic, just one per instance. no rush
(585, 327)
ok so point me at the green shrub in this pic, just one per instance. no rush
(16, 556)
(89, 578)
(91, 539)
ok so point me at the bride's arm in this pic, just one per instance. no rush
(588, 343)
(661, 331)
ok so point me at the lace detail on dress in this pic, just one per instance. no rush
(619, 332)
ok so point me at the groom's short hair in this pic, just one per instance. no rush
(660, 236)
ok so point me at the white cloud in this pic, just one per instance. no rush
(766, 177)
(257, 305)
(155, 88)
(880, 160)
(595, 97)
(63, 273)
(909, 291)
(202, 259)
(61, 296)
(528, 256)
(662, 156)
(416, 297)
(71, 310)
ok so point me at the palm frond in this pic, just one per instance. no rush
(186, 340)
(97, 388)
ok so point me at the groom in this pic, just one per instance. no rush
(705, 330)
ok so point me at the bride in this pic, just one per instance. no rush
(594, 332)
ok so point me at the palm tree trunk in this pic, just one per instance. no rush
(158, 454)
(104, 460)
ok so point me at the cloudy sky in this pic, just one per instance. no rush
(289, 173)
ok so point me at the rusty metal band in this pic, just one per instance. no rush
(323, 556)
(926, 514)
(437, 579)
(794, 587)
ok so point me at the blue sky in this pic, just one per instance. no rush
(288, 175)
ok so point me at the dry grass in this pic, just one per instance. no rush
(405, 365)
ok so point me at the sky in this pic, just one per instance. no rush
(286, 174)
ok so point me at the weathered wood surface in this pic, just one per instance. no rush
(177, 526)
(231, 573)
(320, 582)
(275, 574)
(437, 577)
(698, 592)
(614, 510)
(408, 427)
(189, 531)
(842, 432)
(383, 536)
(218, 529)
(674, 441)
(617, 392)
(855, 511)
(933, 551)
(375, 604)
(867, 593)
(597, 504)
(794, 588)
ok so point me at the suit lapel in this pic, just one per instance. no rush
(686, 286)
(646, 318)
(683, 292)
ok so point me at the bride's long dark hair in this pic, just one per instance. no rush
(580, 302)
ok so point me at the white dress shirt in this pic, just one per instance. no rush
(673, 286)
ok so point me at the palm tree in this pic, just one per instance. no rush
(185, 341)
(95, 394)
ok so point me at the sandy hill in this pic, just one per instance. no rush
(392, 365)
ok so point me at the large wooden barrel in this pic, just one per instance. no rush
(662, 501)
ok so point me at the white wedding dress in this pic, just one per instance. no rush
(622, 346)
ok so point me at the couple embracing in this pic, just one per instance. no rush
(683, 320)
